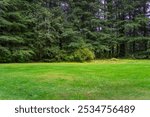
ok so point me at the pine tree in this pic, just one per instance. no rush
(14, 31)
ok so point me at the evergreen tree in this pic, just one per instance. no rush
(15, 31)
(73, 30)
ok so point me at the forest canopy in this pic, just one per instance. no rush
(73, 30)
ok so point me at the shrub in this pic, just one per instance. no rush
(53, 54)
(22, 55)
(5, 55)
(142, 55)
(81, 55)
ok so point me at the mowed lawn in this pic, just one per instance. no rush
(103, 79)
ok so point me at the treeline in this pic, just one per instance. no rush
(73, 30)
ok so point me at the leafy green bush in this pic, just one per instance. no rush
(22, 55)
(5, 55)
(142, 55)
(82, 55)
(53, 54)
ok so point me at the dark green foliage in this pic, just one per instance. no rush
(15, 31)
(5, 55)
(56, 30)
(22, 55)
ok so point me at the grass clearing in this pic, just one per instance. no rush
(102, 79)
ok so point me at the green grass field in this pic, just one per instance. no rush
(104, 79)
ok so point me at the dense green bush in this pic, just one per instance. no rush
(5, 55)
(22, 56)
(83, 54)
(142, 55)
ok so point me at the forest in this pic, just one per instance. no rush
(73, 30)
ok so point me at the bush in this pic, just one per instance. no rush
(53, 54)
(142, 55)
(82, 55)
(22, 55)
(5, 55)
